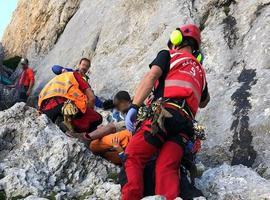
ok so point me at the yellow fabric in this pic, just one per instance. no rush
(64, 85)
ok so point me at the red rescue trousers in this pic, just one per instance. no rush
(84, 122)
(141, 148)
(87, 122)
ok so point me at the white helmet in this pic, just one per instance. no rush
(24, 61)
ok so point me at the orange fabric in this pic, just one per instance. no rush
(64, 85)
(104, 144)
(26, 77)
(113, 157)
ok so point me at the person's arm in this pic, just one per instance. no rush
(90, 97)
(98, 102)
(31, 84)
(85, 88)
(57, 69)
(101, 132)
(146, 85)
(11, 86)
(32, 81)
(205, 97)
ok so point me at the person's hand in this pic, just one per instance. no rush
(28, 93)
(115, 142)
(11, 86)
(116, 145)
(130, 119)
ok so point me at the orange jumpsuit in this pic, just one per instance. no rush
(104, 145)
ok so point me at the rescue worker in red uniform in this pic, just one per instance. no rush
(179, 79)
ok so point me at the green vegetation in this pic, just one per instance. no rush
(113, 176)
(12, 63)
(226, 10)
(19, 197)
(84, 196)
(52, 196)
(204, 19)
(3, 195)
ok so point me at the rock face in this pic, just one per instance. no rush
(2, 54)
(37, 25)
(38, 161)
(36, 158)
(237, 182)
(237, 118)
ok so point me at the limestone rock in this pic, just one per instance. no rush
(157, 197)
(234, 183)
(199, 198)
(32, 197)
(37, 24)
(2, 54)
(237, 118)
(36, 158)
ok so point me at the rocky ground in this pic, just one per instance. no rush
(37, 161)
(123, 37)
(36, 158)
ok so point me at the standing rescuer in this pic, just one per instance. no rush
(26, 80)
(179, 80)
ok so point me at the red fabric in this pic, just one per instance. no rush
(49, 104)
(193, 31)
(167, 170)
(88, 121)
(26, 77)
(185, 80)
(83, 85)
(197, 146)
(168, 162)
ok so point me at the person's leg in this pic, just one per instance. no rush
(54, 112)
(87, 122)
(167, 170)
(22, 94)
(104, 144)
(124, 138)
(141, 148)
(113, 157)
(149, 178)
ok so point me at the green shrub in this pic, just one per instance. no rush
(3, 195)
(12, 63)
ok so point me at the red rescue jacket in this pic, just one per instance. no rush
(185, 79)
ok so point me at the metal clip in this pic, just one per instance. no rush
(199, 130)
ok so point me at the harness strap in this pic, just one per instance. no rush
(178, 108)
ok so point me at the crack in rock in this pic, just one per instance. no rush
(243, 151)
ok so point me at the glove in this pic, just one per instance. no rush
(130, 119)
(69, 109)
